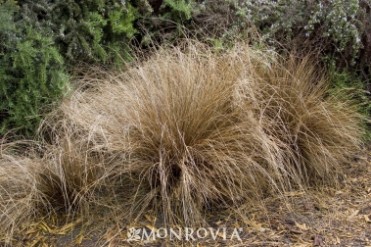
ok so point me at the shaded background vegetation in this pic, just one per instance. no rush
(43, 41)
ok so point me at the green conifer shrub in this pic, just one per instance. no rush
(96, 31)
(164, 20)
(43, 41)
(32, 73)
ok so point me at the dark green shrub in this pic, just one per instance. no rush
(164, 20)
(42, 41)
(32, 72)
(96, 31)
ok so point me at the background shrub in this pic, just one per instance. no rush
(90, 31)
(32, 72)
(163, 20)
(332, 25)
(340, 29)
(43, 41)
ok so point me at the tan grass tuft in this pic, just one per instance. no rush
(189, 130)
(20, 198)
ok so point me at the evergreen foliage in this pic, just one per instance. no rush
(165, 20)
(89, 31)
(42, 41)
(32, 73)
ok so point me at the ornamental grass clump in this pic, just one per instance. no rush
(192, 129)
